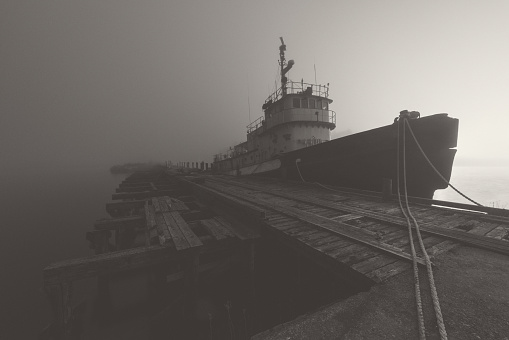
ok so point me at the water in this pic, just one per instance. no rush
(44, 217)
(488, 186)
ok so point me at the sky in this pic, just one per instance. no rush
(107, 82)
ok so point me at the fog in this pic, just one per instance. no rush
(106, 82)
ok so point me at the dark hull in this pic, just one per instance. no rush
(364, 159)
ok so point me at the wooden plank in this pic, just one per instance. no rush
(482, 228)
(347, 217)
(150, 223)
(193, 240)
(216, 229)
(333, 226)
(150, 220)
(163, 205)
(385, 272)
(162, 230)
(373, 263)
(169, 202)
(247, 208)
(499, 232)
(318, 235)
(225, 226)
(155, 204)
(441, 248)
(142, 194)
(326, 240)
(108, 263)
(356, 257)
(176, 234)
(211, 226)
(492, 244)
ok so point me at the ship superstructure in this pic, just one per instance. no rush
(296, 116)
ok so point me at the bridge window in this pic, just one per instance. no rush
(311, 103)
(296, 102)
(325, 105)
(305, 103)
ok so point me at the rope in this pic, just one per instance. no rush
(297, 165)
(431, 164)
(420, 315)
(429, 270)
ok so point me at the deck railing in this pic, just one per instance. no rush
(289, 115)
(293, 87)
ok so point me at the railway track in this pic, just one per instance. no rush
(362, 232)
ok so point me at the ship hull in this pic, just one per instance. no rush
(364, 160)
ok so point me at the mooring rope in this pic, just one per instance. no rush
(297, 165)
(433, 167)
(420, 315)
(429, 269)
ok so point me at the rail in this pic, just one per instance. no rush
(293, 87)
(289, 115)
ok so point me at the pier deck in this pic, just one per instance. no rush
(362, 232)
(176, 227)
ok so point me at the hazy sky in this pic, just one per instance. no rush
(111, 81)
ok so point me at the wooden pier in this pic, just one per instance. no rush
(176, 222)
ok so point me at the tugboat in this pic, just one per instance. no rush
(292, 141)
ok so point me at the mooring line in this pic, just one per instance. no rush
(429, 269)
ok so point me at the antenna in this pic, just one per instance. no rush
(314, 66)
(284, 69)
(248, 104)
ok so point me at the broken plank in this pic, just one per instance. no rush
(162, 229)
(178, 237)
(193, 240)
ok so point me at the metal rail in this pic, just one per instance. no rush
(492, 244)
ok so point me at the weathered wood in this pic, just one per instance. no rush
(347, 217)
(163, 205)
(193, 240)
(110, 263)
(162, 229)
(216, 229)
(176, 234)
(150, 222)
(460, 236)
(143, 194)
(196, 215)
(247, 208)
(499, 232)
(387, 271)
(373, 263)
(156, 205)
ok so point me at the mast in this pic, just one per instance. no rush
(284, 69)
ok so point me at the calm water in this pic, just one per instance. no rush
(44, 217)
(486, 185)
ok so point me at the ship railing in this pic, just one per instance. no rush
(293, 87)
(256, 124)
(289, 115)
